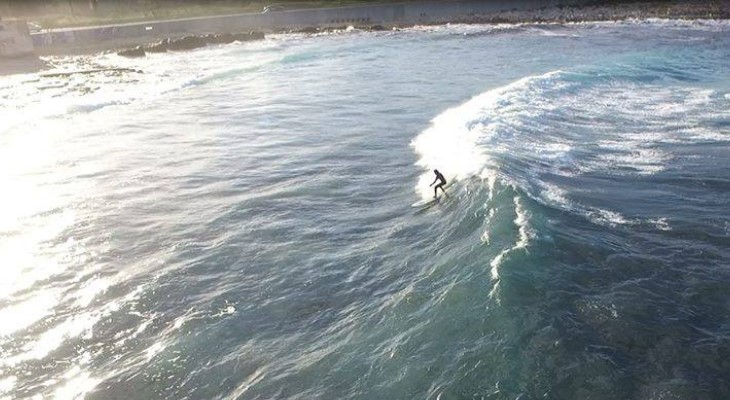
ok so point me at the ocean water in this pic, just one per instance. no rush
(236, 222)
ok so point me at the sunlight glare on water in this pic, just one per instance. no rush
(236, 222)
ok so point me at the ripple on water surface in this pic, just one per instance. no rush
(235, 222)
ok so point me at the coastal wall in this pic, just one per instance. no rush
(15, 40)
(398, 13)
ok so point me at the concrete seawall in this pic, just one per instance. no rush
(399, 13)
(15, 40)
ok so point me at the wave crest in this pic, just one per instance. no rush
(454, 140)
(552, 135)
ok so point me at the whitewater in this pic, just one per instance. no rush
(235, 222)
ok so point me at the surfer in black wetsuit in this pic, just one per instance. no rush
(441, 184)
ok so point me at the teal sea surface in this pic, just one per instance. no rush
(235, 222)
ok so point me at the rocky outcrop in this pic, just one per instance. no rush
(590, 11)
(340, 28)
(602, 12)
(187, 43)
(159, 47)
(135, 52)
(309, 29)
(226, 38)
(191, 42)
(88, 71)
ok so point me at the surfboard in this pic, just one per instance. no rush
(424, 202)
(431, 201)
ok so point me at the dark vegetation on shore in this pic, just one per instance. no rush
(50, 14)
(56, 13)
(190, 42)
(589, 11)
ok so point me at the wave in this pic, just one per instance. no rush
(468, 29)
(697, 24)
(454, 142)
(546, 28)
(147, 79)
(544, 135)
(546, 142)
(524, 234)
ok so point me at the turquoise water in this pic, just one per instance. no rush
(236, 222)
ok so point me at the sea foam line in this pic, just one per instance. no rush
(524, 234)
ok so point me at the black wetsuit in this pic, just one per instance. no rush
(439, 177)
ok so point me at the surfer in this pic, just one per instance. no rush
(441, 184)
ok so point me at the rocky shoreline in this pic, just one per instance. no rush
(687, 10)
(591, 12)
(190, 42)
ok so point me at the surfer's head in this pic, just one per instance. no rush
(435, 171)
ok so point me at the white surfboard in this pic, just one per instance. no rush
(430, 201)
(424, 202)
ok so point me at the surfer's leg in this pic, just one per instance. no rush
(435, 190)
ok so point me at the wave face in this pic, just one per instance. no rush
(551, 134)
(236, 223)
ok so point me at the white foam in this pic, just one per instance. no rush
(142, 81)
(251, 380)
(530, 121)
(607, 217)
(464, 29)
(451, 146)
(7, 384)
(661, 224)
(522, 222)
(696, 24)
(496, 262)
(554, 195)
(491, 179)
(452, 143)
(642, 161)
(524, 234)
